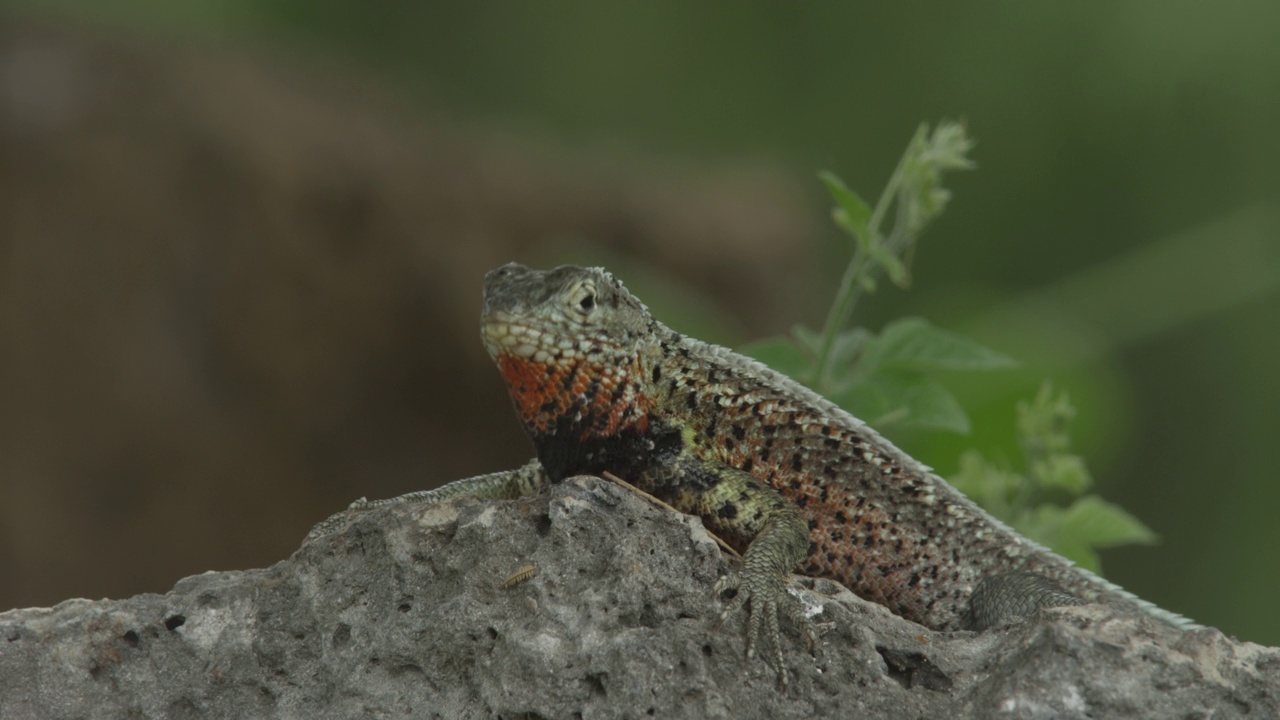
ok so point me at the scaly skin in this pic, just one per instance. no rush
(782, 475)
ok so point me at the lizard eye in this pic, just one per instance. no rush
(584, 298)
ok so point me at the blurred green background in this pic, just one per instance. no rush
(1121, 237)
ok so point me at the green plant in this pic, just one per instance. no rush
(1029, 501)
(887, 378)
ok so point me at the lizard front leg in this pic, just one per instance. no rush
(746, 512)
(505, 485)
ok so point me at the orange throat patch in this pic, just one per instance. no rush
(545, 393)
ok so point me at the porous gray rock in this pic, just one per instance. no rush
(586, 601)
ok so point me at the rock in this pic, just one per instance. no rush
(585, 601)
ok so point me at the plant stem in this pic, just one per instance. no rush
(850, 286)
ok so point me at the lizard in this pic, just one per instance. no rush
(782, 475)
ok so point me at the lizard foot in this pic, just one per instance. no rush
(328, 525)
(764, 595)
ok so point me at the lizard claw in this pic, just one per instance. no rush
(764, 595)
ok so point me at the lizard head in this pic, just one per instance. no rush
(571, 345)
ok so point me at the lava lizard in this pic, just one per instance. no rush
(782, 475)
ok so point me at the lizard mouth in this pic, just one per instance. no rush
(518, 336)
(509, 335)
(503, 336)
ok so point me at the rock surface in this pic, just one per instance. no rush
(427, 612)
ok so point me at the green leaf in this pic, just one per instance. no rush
(849, 345)
(781, 354)
(1077, 531)
(852, 212)
(1040, 524)
(1101, 524)
(904, 398)
(914, 343)
(1082, 555)
(880, 254)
